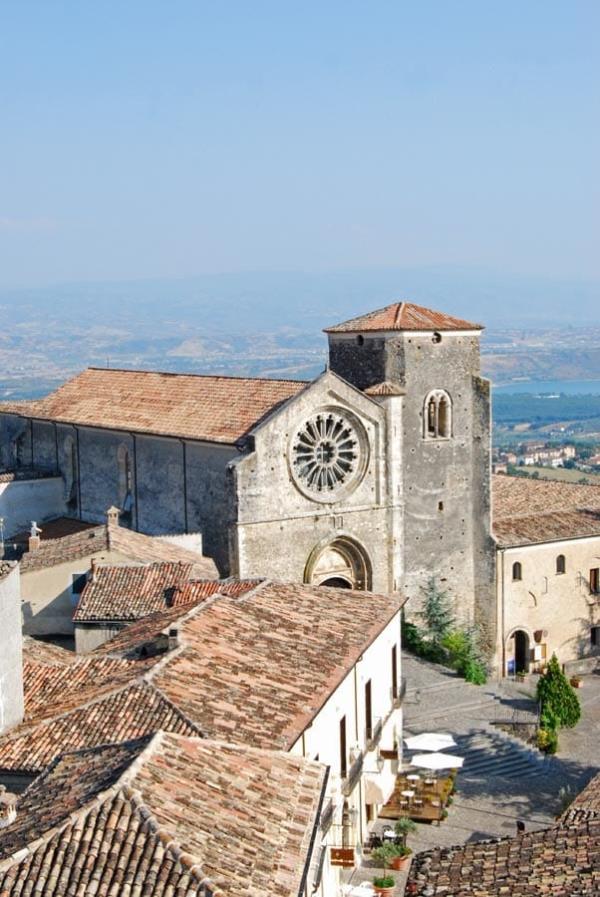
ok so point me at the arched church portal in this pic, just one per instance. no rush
(342, 563)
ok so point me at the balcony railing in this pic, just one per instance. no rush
(353, 775)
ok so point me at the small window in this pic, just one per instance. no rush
(517, 571)
(368, 712)
(394, 672)
(436, 338)
(595, 581)
(78, 581)
(360, 340)
(595, 636)
(437, 414)
(343, 749)
(561, 564)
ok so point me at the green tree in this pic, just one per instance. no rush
(436, 614)
(559, 702)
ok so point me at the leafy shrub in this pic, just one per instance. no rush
(385, 882)
(557, 697)
(547, 740)
(436, 613)
(475, 673)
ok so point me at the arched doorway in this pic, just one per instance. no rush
(342, 563)
(336, 582)
(521, 651)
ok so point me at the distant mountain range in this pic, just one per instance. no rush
(270, 323)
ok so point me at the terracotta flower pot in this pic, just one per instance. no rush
(384, 892)
(400, 863)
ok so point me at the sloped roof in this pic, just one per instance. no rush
(126, 593)
(527, 511)
(190, 406)
(170, 815)
(86, 540)
(403, 316)
(250, 669)
(269, 660)
(561, 861)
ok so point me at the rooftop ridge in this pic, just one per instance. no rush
(94, 367)
(403, 315)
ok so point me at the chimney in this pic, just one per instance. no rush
(112, 516)
(34, 536)
(173, 641)
(8, 807)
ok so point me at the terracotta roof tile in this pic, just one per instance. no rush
(171, 816)
(385, 388)
(403, 316)
(268, 661)
(85, 541)
(529, 511)
(562, 861)
(191, 406)
(128, 712)
(121, 592)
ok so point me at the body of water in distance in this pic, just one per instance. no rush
(550, 387)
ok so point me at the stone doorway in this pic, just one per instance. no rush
(521, 651)
(341, 563)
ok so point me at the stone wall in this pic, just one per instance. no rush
(559, 603)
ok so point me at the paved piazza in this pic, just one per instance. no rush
(501, 781)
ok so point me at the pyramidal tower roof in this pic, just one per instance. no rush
(403, 316)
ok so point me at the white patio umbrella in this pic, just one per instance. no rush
(437, 761)
(430, 741)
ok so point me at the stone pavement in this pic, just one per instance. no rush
(503, 779)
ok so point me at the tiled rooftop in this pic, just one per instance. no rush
(79, 541)
(163, 817)
(190, 406)
(527, 511)
(250, 669)
(561, 861)
(403, 316)
(120, 592)
(268, 661)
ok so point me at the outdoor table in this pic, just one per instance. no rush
(408, 794)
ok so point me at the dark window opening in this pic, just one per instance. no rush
(343, 751)
(360, 339)
(394, 671)
(595, 581)
(78, 581)
(561, 564)
(517, 571)
(595, 636)
(436, 338)
(368, 711)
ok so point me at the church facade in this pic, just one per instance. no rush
(376, 475)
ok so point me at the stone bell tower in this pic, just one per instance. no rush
(442, 437)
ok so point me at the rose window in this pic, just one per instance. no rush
(325, 453)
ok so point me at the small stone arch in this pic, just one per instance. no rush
(341, 562)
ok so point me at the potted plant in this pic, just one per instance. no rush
(405, 827)
(401, 857)
(576, 681)
(383, 856)
(520, 676)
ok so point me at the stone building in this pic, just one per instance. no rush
(548, 569)
(373, 476)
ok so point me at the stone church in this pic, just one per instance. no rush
(373, 476)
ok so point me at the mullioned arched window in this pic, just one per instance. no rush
(437, 415)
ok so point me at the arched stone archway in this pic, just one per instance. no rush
(519, 645)
(342, 563)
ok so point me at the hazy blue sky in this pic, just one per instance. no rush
(159, 139)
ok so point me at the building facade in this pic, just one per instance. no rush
(373, 476)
